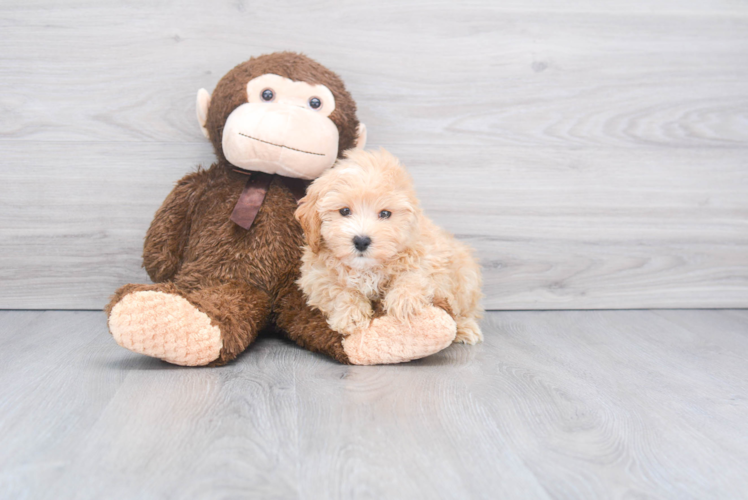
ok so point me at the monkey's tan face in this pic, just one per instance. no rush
(284, 128)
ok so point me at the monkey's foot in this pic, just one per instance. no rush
(388, 340)
(165, 326)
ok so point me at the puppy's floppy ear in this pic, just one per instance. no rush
(309, 218)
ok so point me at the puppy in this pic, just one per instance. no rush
(370, 246)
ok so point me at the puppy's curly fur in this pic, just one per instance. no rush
(407, 264)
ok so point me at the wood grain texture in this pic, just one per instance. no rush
(554, 404)
(594, 155)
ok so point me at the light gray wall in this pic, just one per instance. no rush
(596, 155)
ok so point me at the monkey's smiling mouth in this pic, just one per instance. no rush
(280, 145)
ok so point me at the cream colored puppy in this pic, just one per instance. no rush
(369, 245)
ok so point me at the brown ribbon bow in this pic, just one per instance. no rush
(253, 194)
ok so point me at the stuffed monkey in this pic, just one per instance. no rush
(224, 248)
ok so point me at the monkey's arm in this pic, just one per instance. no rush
(167, 236)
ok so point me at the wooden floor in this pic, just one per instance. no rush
(594, 404)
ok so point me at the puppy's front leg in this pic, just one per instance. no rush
(408, 296)
(346, 310)
(349, 312)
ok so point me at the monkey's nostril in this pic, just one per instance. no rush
(361, 243)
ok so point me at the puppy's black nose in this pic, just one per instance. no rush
(361, 243)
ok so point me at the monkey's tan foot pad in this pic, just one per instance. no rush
(388, 340)
(165, 326)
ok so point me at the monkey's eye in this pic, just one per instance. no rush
(385, 214)
(267, 95)
(345, 212)
(315, 103)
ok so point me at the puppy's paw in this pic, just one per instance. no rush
(404, 303)
(468, 332)
(351, 320)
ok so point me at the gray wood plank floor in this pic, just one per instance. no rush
(572, 404)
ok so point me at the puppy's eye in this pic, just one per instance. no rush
(385, 214)
(345, 212)
(267, 95)
(315, 103)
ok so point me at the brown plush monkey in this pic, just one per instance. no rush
(224, 248)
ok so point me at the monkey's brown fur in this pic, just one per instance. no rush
(243, 280)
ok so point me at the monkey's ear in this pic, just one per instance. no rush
(310, 221)
(361, 136)
(203, 102)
